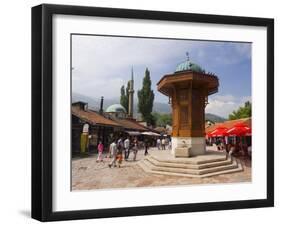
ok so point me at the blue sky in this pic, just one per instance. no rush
(102, 64)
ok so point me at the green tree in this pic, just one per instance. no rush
(242, 112)
(151, 120)
(145, 99)
(124, 98)
(162, 119)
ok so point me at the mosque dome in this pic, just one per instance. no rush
(187, 65)
(116, 108)
(196, 68)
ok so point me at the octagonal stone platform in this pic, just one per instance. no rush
(210, 164)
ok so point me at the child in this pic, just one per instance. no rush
(119, 156)
(100, 151)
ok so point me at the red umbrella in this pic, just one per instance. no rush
(239, 129)
(218, 132)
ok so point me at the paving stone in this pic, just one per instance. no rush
(87, 174)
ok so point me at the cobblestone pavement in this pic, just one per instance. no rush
(87, 174)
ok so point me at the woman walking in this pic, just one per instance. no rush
(100, 151)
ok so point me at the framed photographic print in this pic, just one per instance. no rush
(145, 112)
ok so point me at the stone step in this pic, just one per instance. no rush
(192, 171)
(146, 166)
(159, 163)
(191, 160)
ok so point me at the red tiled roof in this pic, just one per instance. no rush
(93, 117)
(229, 124)
(130, 124)
(161, 129)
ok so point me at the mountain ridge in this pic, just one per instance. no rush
(94, 103)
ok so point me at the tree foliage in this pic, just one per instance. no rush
(242, 112)
(124, 98)
(146, 98)
(162, 119)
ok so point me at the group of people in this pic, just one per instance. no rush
(231, 147)
(239, 147)
(120, 149)
(120, 146)
(162, 143)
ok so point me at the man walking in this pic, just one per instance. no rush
(127, 148)
(163, 142)
(113, 151)
(146, 146)
(120, 143)
(158, 142)
(135, 149)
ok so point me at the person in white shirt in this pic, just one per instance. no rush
(135, 148)
(113, 152)
(127, 148)
(163, 142)
(170, 144)
(158, 143)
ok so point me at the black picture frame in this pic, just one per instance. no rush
(42, 107)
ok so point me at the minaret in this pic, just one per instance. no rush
(131, 95)
(101, 105)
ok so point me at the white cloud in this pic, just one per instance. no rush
(99, 87)
(105, 62)
(223, 105)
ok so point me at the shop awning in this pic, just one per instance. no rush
(133, 133)
(151, 134)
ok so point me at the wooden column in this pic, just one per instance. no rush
(175, 112)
